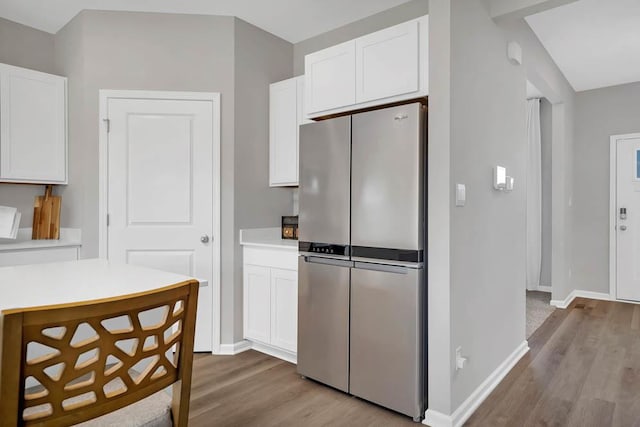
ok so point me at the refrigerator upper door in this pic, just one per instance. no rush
(325, 159)
(323, 320)
(388, 178)
(387, 337)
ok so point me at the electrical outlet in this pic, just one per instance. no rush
(460, 360)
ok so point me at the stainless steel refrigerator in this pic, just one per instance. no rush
(362, 296)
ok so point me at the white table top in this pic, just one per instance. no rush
(75, 281)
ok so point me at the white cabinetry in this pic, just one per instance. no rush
(390, 65)
(331, 77)
(286, 100)
(257, 308)
(33, 126)
(387, 63)
(270, 309)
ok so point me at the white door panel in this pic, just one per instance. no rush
(160, 196)
(257, 303)
(628, 230)
(284, 306)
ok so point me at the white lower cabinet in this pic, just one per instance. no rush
(284, 309)
(271, 301)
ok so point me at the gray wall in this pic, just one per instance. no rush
(260, 59)
(487, 235)
(546, 138)
(24, 46)
(600, 113)
(542, 71)
(181, 53)
(387, 18)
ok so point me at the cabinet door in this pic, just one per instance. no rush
(283, 134)
(330, 78)
(284, 309)
(33, 142)
(387, 62)
(257, 303)
(302, 114)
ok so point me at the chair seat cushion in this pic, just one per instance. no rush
(153, 411)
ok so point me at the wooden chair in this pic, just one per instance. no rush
(98, 357)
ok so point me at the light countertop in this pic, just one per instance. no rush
(76, 281)
(266, 237)
(68, 237)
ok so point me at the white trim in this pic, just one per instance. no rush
(581, 294)
(613, 190)
(235, 348)
(437, 419)
(467, 408)
(275, 352)
(214, 98)
(540, 288)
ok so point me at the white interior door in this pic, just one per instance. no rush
(628, 219)
(160, 191)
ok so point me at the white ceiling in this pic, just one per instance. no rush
(292, 20)
(595, 43)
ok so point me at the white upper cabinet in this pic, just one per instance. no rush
(387, 63)
(330, 77)
(286, 100)
(33, 126)
(387, 66)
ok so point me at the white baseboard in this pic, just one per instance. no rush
(539, 288)
(235, 348)
(580, 294)
(437, 419)
(464, 411)
(275, 352)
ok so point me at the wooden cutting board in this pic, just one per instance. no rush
(46, 216)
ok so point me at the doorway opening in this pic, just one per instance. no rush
(538, 209)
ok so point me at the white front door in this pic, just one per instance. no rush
(628, 218)
(160, 191)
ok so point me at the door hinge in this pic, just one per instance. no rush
(107, 220)
(107, 122)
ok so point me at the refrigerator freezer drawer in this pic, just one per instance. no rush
(387, 341)
(323, 321)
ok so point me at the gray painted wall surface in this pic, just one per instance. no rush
(600, 113)
(487, 235)
(387, 18)
(542, 71)
(181, 53)
(260, 59)
(546, 138)
(439, 194)
(26, 47)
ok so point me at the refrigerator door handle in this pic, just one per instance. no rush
(381, 267)
(327, 261)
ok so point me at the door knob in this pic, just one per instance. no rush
(204, 239)
(623, 227)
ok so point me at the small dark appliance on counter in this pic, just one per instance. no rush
(290, 227)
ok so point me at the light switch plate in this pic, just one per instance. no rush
(461, 194)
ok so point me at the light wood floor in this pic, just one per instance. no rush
(583, 370)
(253, 389)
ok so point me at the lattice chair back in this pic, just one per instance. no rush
(62, 365)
